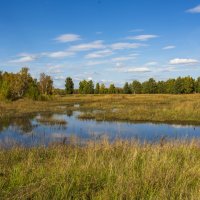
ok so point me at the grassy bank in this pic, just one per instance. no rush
(123, 170)
(157, 108)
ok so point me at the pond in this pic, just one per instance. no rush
(46, 128)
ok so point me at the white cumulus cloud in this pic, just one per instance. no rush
(183, 61)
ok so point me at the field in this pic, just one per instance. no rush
(103, 170)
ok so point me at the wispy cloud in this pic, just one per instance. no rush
(194, 10)
(24, 58)
(169, 47)
(99, 32)
(183, 61)
(167, 69)
(133, 70)
(141, 69)
(56, 69)
(123, 58)
(68, 38)
(99, 54)
(58, 54)
(136, 30)
(98, 44)
(142, 37)
(91, 63)
(151, 63)
(125, 45)
(59, 78)
(108, 82)
(86, 75)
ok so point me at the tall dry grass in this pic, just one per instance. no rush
(121, 170)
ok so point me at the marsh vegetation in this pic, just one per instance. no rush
(121, 170)
(99, 169)
(146, 107)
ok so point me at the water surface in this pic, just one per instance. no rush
(42, 129)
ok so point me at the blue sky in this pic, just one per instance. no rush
(109, 41)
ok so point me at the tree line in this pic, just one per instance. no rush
(180, 85)
(18, 85)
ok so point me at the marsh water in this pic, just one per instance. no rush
(46, 128)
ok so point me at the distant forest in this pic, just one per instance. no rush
(18, 85)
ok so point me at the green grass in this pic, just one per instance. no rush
(122, 170)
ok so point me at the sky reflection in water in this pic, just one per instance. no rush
(43, 129)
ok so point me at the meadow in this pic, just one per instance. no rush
(121, 170)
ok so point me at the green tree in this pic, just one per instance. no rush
(5, 90)
(189, 85)
(33, 91)
(161, 87)
(69, 85)
(26, 80)
(197, 85)
(1, 78)
(111, 89)
(102, 89)
(170, 86)
(81, 87)
(179, 86)
(126, 88)
(97, 88)
(86, 87)
(149, 87)
(90, 87)
(136, 87)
